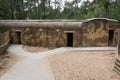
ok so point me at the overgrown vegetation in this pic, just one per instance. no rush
(54, 9)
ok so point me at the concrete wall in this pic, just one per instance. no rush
(46, 37)
(117, 61)
(92, 33)
(4, 36)
(4, 40)
(96, 32)
(4, 48)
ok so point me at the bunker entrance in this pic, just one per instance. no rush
(69, 39)
(111, 37)
(17, 38)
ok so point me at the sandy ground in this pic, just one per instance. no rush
(7, 61)
(34, 49)
(69, 65)
(86, 65)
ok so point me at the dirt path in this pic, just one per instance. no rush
(33, 67)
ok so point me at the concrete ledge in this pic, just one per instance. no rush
(93, 48)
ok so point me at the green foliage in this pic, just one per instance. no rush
(5, 9)
(42, 9)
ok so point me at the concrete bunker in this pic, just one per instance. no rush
(96, 32)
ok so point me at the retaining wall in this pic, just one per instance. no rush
(4, 47)
(117, 61)
(4, 41)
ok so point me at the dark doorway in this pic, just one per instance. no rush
(111, 37)
(17, 38)
(69, 39)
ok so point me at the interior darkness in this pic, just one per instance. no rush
(111, 36)
(69, 39)
(18, 37)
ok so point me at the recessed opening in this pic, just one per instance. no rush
(69, 39)
(111, 37)
(17, 38)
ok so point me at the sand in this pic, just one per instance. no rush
(87, 65)
(34, 49)
(7, 61)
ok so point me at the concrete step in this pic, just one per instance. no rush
(117, 66)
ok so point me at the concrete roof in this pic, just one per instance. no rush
(87, 20)
(60, 23)
(41, 24)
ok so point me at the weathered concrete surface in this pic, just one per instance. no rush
(4, 40)
(52, 34)
(4, 47)
(117, 61)
(96, 32)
